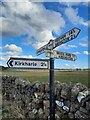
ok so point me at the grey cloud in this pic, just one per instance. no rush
(32, 19)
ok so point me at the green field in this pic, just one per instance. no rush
(43, 76)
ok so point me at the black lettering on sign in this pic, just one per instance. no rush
(23, 63)
(71, 32)
(33, 64)
(43, 64)
(64, 36)
(16, 63)
(72, 36)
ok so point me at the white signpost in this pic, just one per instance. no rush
(28, 63)
(48, 49)
(61, 55)
(70, 35)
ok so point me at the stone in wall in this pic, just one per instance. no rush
(32, 100)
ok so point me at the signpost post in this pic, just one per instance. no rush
(52, 106)
(48, 49)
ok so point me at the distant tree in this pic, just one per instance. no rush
(78, 69)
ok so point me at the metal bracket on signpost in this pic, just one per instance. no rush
(52, 106)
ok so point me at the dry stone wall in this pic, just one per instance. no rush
(31, 100)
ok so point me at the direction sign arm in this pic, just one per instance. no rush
(70, 35)
(40, 50)
(28, 63)
(60, 55)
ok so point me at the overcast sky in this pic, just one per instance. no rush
(26, 26)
